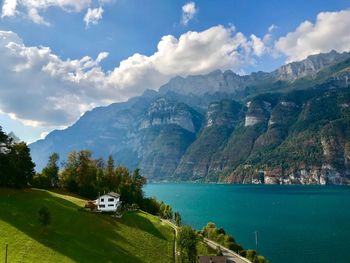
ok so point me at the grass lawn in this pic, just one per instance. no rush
(77, 236)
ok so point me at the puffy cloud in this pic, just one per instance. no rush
(9, 8)
(331, 30)
(188, 12)
(33, 8)
(41, 89)
(192, 53)
(258, 45)
(92, 16)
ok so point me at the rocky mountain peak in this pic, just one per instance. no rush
(310, 66)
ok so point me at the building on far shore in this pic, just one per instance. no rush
(214, 259)
(108, 202)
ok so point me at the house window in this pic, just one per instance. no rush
(102, 199)
(110, 199)
(102, 206)
(111, 205)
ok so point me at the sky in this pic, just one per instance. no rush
(60, 58)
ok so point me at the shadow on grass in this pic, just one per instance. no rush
(136, 220)
(79, 236)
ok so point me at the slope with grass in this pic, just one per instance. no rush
(75, 235)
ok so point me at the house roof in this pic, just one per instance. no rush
(212, 259)
(113, 194)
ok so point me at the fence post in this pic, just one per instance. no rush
(6, 253)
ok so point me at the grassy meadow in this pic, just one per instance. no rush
(75, 235)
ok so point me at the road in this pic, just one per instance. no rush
(175, 230)
(233, 256)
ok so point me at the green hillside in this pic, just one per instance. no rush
(75, 235)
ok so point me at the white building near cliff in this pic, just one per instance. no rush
(108, 202)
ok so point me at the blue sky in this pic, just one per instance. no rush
(128, 27)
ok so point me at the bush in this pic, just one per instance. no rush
(44, 216)
(219, 235)
(253, 256)
(91, 205)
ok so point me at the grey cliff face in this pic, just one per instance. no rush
(310, 66)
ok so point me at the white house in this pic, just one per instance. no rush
(108, 202)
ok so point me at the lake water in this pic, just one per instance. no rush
(295, 224)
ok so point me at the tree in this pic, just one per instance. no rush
(187, 244)
(165, 211)
(86, 174)
(177, 218)
(130, 186)
(41, 181)
(21, 165)
(16, 165)
(51, 170)
(109, 181)
(110, 167)
(5, 148)
(137, 182)
(151, 205)
(69, 174)
(44, 216)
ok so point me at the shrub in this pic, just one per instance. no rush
(91, 205)
(44, 216)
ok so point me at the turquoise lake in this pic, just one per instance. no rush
(295, 224)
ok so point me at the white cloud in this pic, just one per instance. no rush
(331, 30)
(40, 89)
(92, 16)
(9, 8)
(188, 12)
(258, 45)
(33, 9)
(36, 18)
(272, 28)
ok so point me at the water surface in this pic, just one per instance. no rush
(295, 224)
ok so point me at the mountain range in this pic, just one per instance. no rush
(288, 126)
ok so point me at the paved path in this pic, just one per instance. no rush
(175, 230)
(233, 256)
